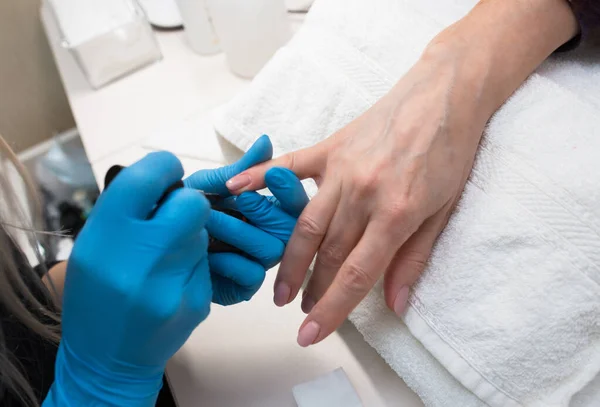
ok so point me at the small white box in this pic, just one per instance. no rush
(108, 38)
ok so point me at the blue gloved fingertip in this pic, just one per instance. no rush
(280, 176)
(261, 151)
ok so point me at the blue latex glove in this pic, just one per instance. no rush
(135, 289)
(236, 278)
(213, 181)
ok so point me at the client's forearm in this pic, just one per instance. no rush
(499, 44)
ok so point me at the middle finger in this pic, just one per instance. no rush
(344, 232)
(304, 243)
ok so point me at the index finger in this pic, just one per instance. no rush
(213, 180)
(358, 274)
(305, 163)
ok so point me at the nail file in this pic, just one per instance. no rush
(330, 390)
(214, 245)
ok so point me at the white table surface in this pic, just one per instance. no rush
(245, 355)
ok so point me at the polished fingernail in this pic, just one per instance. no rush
(282, 294)
(308, 334)
(307, 303)
(401, 300)
(238, 182)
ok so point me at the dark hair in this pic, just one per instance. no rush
(19, 222)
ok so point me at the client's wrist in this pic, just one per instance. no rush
(499, 43)
(78, 383)
(469, 75)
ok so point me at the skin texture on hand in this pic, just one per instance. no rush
(389, 180)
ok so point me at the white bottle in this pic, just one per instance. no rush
(250, 31)
(199, 29)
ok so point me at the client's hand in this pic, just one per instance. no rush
(390, 179)
(237, 278)
(388, 182)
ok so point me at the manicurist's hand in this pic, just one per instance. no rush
(236, 277)
(389, 180)
(137, 284)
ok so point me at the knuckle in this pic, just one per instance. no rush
(331, 256)
(289, 161)
(398, 212)
(166, 308)
(414, 262)
(365, 183)
(356, 279)
(308, 227)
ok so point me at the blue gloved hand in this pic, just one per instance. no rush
(213, 181)
(135, 289)
(236, 278)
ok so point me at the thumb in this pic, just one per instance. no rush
(265, 215)
(410, 262)
(305, 163)
(213, 180)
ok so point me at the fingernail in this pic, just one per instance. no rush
(401, 300)
(282, 294)
(308, 334)
(238, 182)
(307, 303)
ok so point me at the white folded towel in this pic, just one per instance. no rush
(508, 310)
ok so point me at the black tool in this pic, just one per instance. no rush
(214, 245)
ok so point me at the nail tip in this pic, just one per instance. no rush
(308, 334)
(281, 295)
(239, 182)
(401, 301)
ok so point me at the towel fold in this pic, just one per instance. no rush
(508, 311)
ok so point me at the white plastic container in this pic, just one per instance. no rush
(199, 30)
(250, 31)
(108, 38)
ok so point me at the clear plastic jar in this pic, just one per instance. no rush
(250, 31)
(199, 29)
